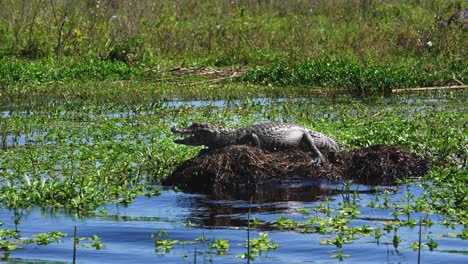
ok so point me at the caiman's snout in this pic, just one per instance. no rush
(188, 136)
(177, 130)
(197, 134)
(188, 130)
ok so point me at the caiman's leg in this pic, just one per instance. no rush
(307, 138)
(251, 139)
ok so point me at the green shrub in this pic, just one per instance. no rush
(357, 77)
(39, 72)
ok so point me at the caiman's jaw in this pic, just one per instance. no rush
(195, 135)
(203, 134)
(188, 139)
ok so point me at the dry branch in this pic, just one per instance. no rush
(423, 89)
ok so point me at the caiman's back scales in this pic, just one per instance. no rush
(269, 136)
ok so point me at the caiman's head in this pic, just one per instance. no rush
(199, 134)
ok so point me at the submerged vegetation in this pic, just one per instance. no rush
(87, 101)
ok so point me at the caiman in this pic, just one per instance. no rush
(273, 136)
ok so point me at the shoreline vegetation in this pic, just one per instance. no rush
(364, 47)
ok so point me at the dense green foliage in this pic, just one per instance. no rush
(22, 72)
(359, 78)
(369, 45)
(355, 77)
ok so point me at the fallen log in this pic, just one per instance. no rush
(425, 89)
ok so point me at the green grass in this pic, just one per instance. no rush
(83, 78)
(225, 33)
(359, 78)
(363, 46)
(50, 71)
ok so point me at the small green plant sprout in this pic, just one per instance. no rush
(431, 244)
(221, 245)
(340, 256)
(7, 239)
(427, 222)
(163, 245)
(95, 243)
(324, 208)
(189, 224)
(103, 211)
(411, 222)
(320, 226)
(396, 241)
(377, 235)
(255, 222)
(415, 246)
(345, 190)
(259, 245)
(385, 199)
(338, 241)
(389, 226)
(202, 239)
(365, 230)
(43, 239)
(285, 224)
(349, 210)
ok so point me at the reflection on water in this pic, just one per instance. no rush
(275, 198)
(126, 230)
(7, 259)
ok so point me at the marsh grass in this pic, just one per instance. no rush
(50, 71)
(370, 45)
(228, 32)
(359, 78)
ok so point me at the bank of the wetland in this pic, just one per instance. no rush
(107, 78)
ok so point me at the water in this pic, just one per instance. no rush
(126, 230)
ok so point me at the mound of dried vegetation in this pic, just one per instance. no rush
(240, 168)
